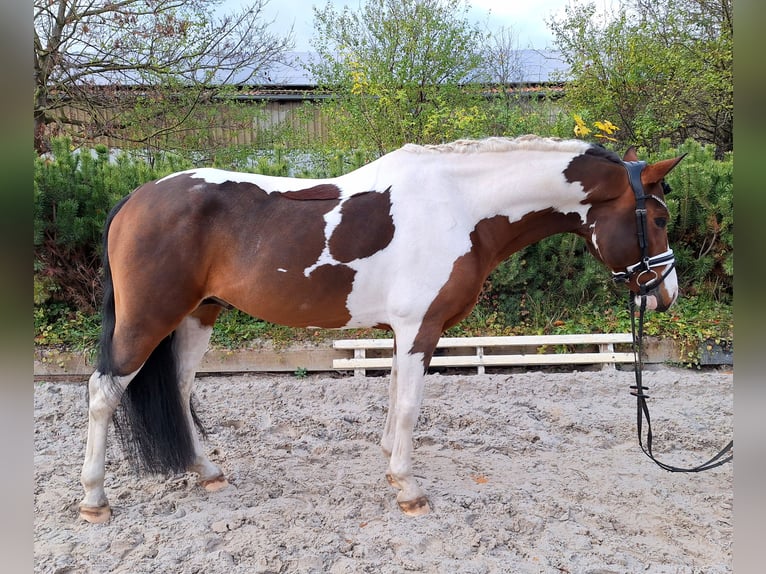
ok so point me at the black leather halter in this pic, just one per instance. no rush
(647, 263)
(645, 266)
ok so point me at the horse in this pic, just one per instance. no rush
(404, 243)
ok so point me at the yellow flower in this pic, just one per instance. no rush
(606, 127)
(580, 129)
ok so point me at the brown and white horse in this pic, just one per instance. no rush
(403, 243)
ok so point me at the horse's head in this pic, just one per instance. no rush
(626, 228)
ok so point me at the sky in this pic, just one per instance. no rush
(526, 18)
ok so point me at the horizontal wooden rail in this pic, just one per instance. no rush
(480, 358)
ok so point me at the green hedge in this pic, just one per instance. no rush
(701, 231)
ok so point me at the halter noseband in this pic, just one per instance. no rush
(647, 262)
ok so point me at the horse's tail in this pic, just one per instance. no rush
(151, 420)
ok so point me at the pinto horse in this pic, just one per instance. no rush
(404, 243)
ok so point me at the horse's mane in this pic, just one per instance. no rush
(500, 144)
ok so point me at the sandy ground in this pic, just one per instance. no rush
(529, 472)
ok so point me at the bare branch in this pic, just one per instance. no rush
(159, 45)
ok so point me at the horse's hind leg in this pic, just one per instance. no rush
(104, 397)
(387, 441)
(191, 341)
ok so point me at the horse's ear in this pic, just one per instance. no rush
(630, 154)
(655, 172)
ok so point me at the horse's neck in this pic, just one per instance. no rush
(514, 185)
(512, 200)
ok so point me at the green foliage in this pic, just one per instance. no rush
(658, 69)
(691, 322)
(701, 230)
(58, 325)
(398, 69)
(515, 116)
(234, 329)
(545, 283)
(73, 194)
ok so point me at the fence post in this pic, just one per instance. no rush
(360, 354)
(607, 348)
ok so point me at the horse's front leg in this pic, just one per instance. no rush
(407, 396)
(104, 394)
(387, 441)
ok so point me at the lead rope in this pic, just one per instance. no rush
(642, 409)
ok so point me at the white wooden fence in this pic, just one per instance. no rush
(482, 352)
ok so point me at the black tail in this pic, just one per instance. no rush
(150, 422)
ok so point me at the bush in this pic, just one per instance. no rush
(701, 230)
(546, 283)
(73, 193)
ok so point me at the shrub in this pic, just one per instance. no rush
(73, 193)
(701, 230)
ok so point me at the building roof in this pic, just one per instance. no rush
(534, 67)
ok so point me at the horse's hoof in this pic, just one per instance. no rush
(95, 514)
(215, 484)
(417, 507)
(392, 481)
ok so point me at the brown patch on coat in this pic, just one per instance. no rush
(179, 242)
(317, 192)
(493, 240)
(596, 170)
(366, 227)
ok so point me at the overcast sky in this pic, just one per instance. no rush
(525, 17)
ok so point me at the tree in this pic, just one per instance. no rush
(502, 61)
(659, 69)
(503, 66)
(138, 69)
(398, 69)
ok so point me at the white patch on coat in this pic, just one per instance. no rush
(267, 183)
(670, 284)
(332, 220)
(594, 238)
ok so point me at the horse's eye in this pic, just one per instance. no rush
(660, 222)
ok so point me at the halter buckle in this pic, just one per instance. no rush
(647, 265)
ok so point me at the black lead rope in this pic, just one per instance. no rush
(642, 409)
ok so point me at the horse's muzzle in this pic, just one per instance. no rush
(662, 297)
